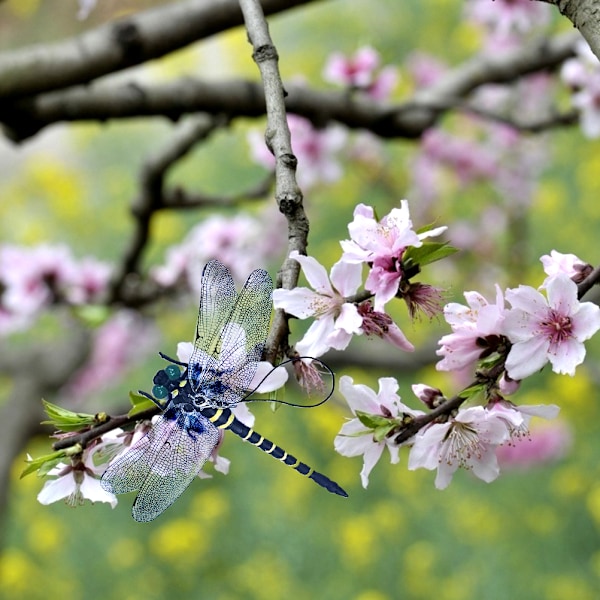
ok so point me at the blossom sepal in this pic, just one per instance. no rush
(66, 420)
(381, 426)
(43, 464)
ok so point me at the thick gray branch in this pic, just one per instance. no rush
(116, 46)
(107, 100)
(585, 16)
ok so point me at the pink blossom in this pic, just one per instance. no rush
(336, 320)
(382, 245)
(425, 68)
(315, 149)
(476, 329)
(582, 74)
(116, 346)
(469, 440)
(241, 242)
(551, 328)
(504, 17)
(569, 264)
(469, 160)
(355, 71)
(75, 483)
(358, 72)
(385, 407)
(382, 325)
(544, 444)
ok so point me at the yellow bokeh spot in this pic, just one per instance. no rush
(371, 595)
(476, 521)
(16, 571)
(593, 503)
(542, 519)
(559, 587)
(45, 535)
(210, 505)
(417, 575)
(569, 483)
(126, 553)
(178, 539)
(550, 197)
(358, 540)
(167, 227)
(467, 37)
(23, 8)
(253, 579)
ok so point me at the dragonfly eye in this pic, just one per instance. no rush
(160, 392)
(173, 372)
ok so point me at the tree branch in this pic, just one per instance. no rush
(277, 137)
(107, 100)
(121, 44)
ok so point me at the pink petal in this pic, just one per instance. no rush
(315, 273)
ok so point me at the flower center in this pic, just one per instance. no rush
(557, 327)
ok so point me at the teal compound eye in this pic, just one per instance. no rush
(173, 372)
(160, 392)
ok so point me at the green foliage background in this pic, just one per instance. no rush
(263, 532)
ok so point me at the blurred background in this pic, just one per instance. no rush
(263, 532)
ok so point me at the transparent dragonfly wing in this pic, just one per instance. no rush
(163, 463)
(227, 347)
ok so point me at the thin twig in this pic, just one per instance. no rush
(277, 137)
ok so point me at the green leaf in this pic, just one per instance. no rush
(140, 404)
(66, 420)
(427, 253)
(372, 421)
(43, 464)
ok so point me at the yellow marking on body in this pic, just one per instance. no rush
(285, 455)
(175, 393)
(293, 465)
(229, 421)
(216, 416)
(270, 450)
(182, 383)
(310, 472)
(249, 434)
(260, 441)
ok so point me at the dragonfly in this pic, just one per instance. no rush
(197, 398)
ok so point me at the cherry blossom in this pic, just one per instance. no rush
(384, 408)
(468, 440)
(239, 241)
(551, 328)
(505, 17)
(358, 72)
(382, 245)
(569, 264)
(476, 330)
(582, 75)
(75, 483)
(336, 320)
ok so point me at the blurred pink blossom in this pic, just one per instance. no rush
(545, 443)
(315, 149)
(358, 72)
(504, 17)
(116, 346)
(582, 74)
(241, 242)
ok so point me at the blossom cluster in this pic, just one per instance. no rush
(32, 279)
(582, 75)
(238, 241)
(338, 312)
(504, 344)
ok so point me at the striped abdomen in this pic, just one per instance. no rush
(223, 418)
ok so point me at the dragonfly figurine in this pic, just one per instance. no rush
(197, 397)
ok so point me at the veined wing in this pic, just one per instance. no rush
(223, 361)
(217, 300)
(163, 463)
